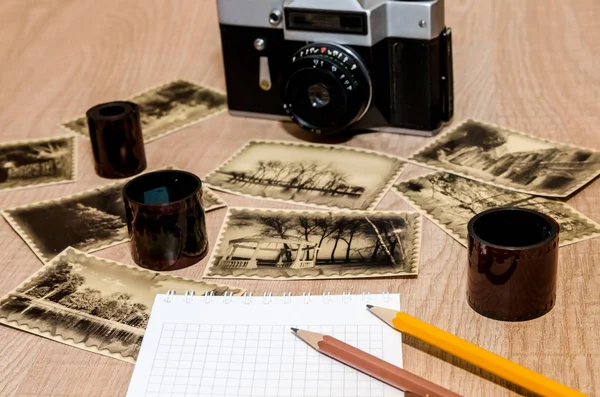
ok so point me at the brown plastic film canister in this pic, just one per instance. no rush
(117, 142)
(165, 219)
(513, 259)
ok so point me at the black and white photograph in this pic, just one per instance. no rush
(37, 162)
(168, 108)
(88, 221)
(511, 159)
(293, 245)
(93, 303)
(450, 201)
(326, 176)
(211, 201)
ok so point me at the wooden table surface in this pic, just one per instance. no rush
(528, 64)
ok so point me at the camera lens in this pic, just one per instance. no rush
(318, 95)
(327, 88)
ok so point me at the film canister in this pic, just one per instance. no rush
(513, 259)
(117, 142)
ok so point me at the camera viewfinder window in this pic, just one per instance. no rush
(327, 21)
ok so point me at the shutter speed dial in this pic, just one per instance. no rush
(328, 88)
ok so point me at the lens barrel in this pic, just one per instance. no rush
(328, 88)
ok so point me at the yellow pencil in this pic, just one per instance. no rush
(473, 354)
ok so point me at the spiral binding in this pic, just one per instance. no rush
(189, 295)
(267, 297)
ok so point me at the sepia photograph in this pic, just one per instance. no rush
(326, 176)
(88, 221)
(93, 303)
(168, 108)
(37, 162)
(293, 245)
(211, 201)
(511, 159)
(450, 201)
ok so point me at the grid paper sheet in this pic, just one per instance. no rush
(243, 346)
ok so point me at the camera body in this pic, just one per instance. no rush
(333, 65)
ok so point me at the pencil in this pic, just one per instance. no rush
(473, 354)
(372, 366)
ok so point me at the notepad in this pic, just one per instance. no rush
(221, 346)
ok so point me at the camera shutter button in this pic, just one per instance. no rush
(275, 17)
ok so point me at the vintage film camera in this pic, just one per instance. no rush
(334, 65)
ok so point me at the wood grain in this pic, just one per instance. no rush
(527, 64)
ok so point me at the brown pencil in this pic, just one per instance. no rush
(372, 366)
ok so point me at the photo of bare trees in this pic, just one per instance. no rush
(286, 244)
(167, 108)
(88, 221)
(317, 175)
(37, 162)
(450, 201)
(92, 303)
(511, 159)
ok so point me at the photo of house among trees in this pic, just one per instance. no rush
(512, 160)
(314, 244)
(36, 162)
(333, 177)
(81, 299)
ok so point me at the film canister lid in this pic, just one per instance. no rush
(115, 131)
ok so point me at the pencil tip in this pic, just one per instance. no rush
(369, 306)
(295, 330)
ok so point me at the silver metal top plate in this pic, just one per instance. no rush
(423, 20)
